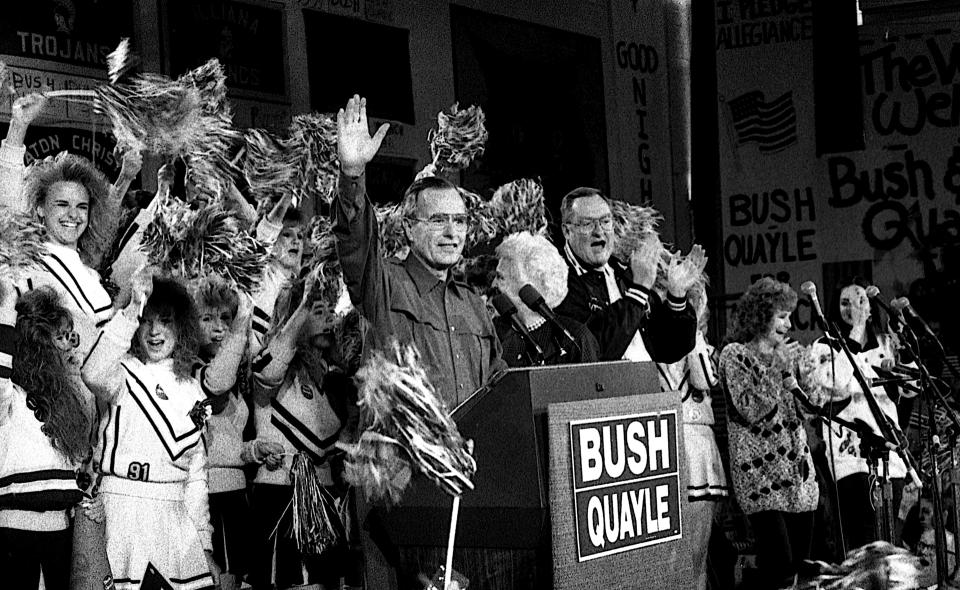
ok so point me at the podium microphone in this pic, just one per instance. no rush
(534, 300)
(508, 310)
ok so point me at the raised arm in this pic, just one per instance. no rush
(25, 110)
(102, 372)
(355, 221)
(270, 366)
(221, 374)
(130, 166)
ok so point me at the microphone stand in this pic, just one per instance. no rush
(931, 394)
(893, 437)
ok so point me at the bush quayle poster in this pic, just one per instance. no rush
(626, 482)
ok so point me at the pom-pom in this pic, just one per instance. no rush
(877, 566)
(188, 118)
(314, 136)
(270, 166)
(393, 239)
(379, 466)
(316, 519)
(458, 139)
(196, 243)
(482, 227)
(398, 401)
(633, 225)
(519, 206)
(120, 60)
(22, 242)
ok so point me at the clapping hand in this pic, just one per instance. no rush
(644, 261)
(684, 271)
(355, 145)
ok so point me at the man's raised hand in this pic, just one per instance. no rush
(355, 146)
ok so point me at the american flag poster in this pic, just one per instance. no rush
(771, 125)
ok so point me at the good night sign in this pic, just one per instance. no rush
(626, 482)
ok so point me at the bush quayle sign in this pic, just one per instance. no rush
(626, 482)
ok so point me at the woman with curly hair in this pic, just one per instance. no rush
(43, 439)
(150, 454)
(770, 462)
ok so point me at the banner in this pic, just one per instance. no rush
(626, 482)
(75, 32)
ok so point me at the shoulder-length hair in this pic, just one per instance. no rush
(102, 214)
(171, 299)
(39, 369)
(757, 306)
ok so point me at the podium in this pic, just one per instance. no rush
(507, 421)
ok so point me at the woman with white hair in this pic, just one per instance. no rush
(527, 259)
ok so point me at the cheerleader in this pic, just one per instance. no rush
(72, 200)
(300, 406)
(150, 453)
(224, 338)
(44, 436)
(694, 376)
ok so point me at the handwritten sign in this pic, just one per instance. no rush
(626, 482)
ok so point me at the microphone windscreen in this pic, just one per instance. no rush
(503, 305)
(899, 304)
(873, 291)
(808, 288)
(530, 296)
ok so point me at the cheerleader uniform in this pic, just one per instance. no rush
(300, 417)
(153, 462)
(78, 285)
(37, 487)
(693, 377)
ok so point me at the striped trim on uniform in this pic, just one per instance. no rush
(639, 294)
(41, 490)
(302, 437)
(676, 303)
(175, 443)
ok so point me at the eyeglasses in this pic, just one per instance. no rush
(68, 337)
(439, 221)
(586, 225)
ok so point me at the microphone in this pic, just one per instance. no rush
(791, 385)
(810, 290)
(534, 300)
(508, 310)
(903, 305)
(872, 292)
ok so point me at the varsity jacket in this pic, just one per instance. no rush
(667, 329)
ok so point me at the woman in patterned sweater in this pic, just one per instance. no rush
(770, 462)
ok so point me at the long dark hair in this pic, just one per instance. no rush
(171, 298)
(874, 324)
(39, 368)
